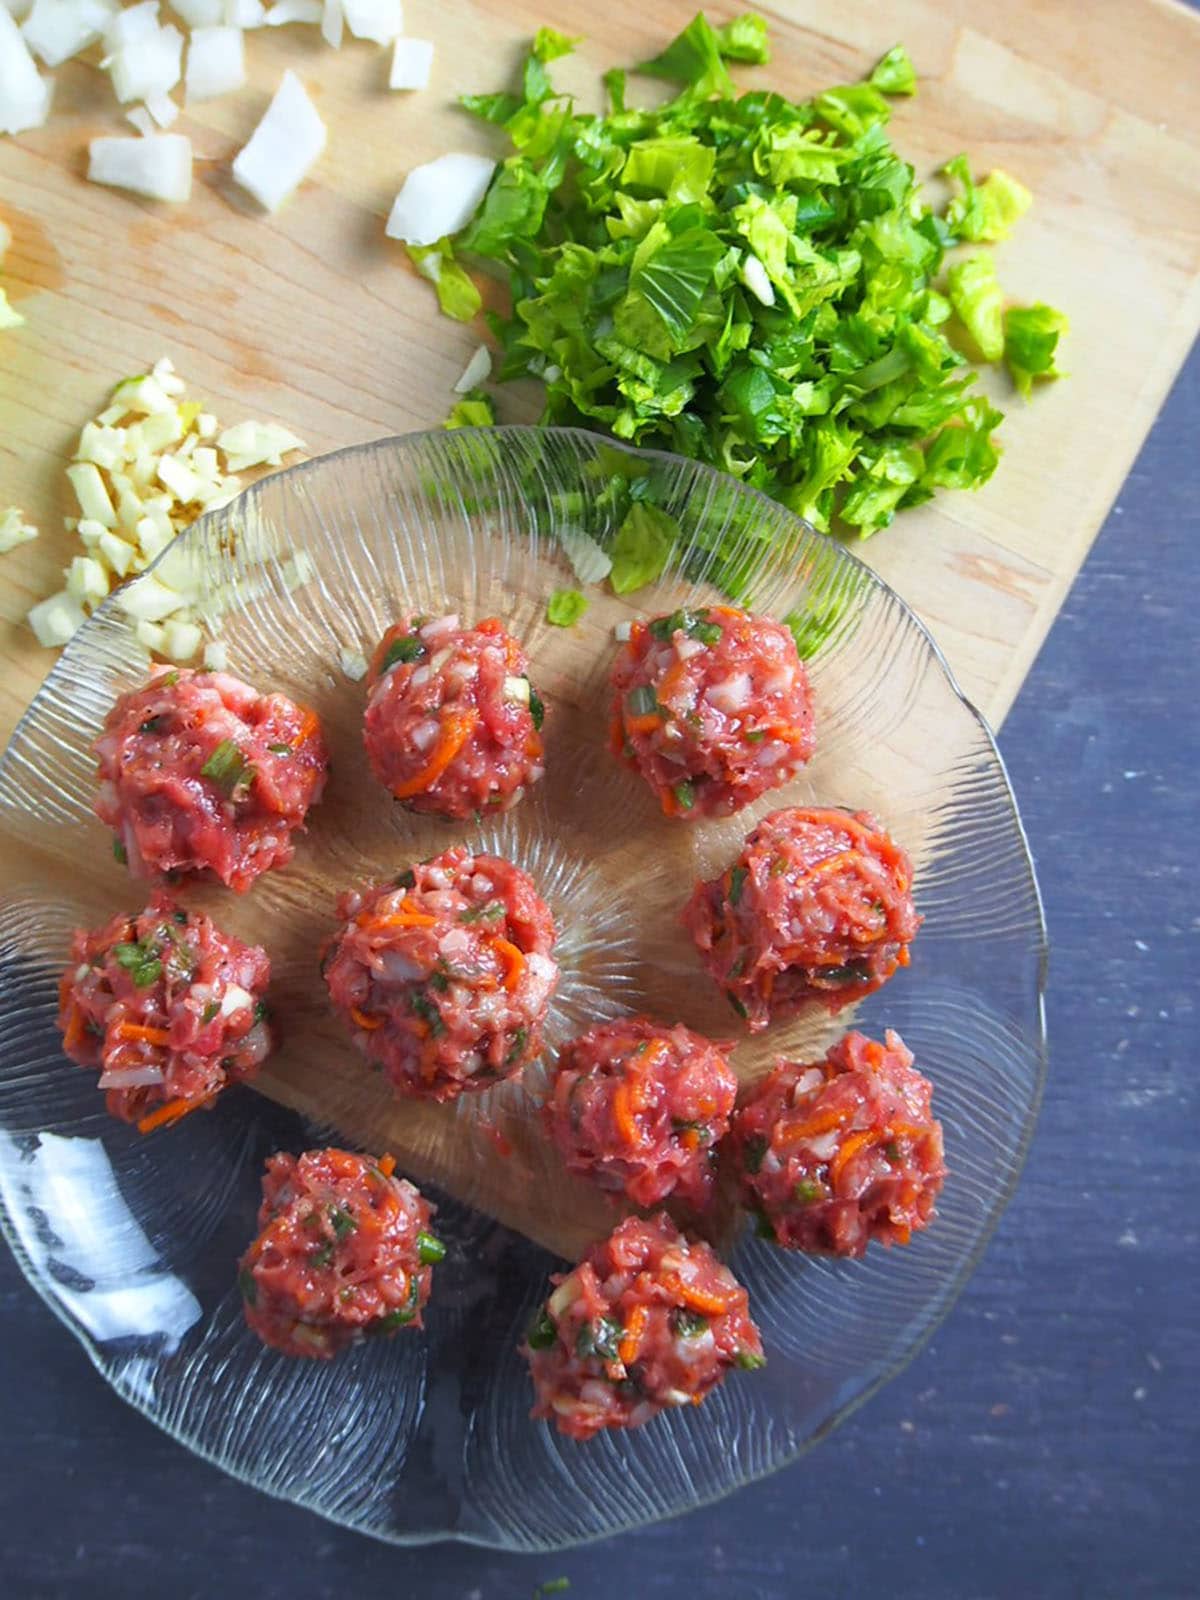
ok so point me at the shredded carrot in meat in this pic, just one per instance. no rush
(820, 1122)
(616, 736)
(491, 625)
(903, 958)
(386, 1165)
(712, 1304)
(903, 1235)
(404, 916)
(631, 1339)
(74, 1031)
(308, 726)
(133, 1031)
(674, 678)
(170, 1111)
(850, 1148)
(365, 1021)
(690, 1138)
(648, 723)
(457, 727)
(623, 1114)
(513, 960)
(841, 819)
(843, 858)
(670, 804)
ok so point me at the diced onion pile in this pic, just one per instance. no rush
(144, 58)
(144, 469)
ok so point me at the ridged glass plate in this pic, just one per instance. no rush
(132, 1241)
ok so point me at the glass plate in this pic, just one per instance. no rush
(132, 1241)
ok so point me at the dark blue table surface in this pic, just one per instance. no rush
(1045, 1443)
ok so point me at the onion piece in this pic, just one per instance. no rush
(332, 22)
(216, 62)
(589, 563)
(257, 444)
(56, 30)
(162, 109)
(24, 93)
(131, 1077)
(283, 148)
(285, 11)
(245, 13)
(439, 198)
(199, 13)
(149, 67)
(517, 690)
(378, 20)
(55, 620)
(158, 165)
(478, 370)
(412, 62)
(14, 530)
(141, 119)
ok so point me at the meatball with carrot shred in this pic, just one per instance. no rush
(168, 1008)
(199, 773)
(639, 1107)
(832, 1154)
(344, 1250)
(445, 974)
(712, 707)
(816, 909)
(649, 1319)
(453, 724)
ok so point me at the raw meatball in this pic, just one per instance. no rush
(815, 909)
(649, 1319)
(639, 1108)
(201, 773)
(712, 707)
(838, 1152)
(445, 975)
(453, 723)
(168, 1007)
(343, 1249)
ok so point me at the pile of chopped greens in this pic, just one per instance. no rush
(749, 281)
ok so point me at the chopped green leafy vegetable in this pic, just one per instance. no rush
(807, 1190)
(430, 1248)
(685, 796)
(975, 295)
(749, 1361)
(119, 851)
(406, 647)
(642, 547)
(537, 708)
(985, 212)
(565, 607)
(474, 410)
(456, 291)
(745, 280)
(688, 1324)
(551, 1586)
(695, 624)
(341, 1221)
(894, 73)
(599, 1337)
(542, 1331)
(1031, 335)
(141, 961)
(248, 1286)
(226, 766)
(737, 882)
(280, 749)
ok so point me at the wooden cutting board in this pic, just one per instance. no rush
(314, 319)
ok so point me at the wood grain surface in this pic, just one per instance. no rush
(315, 319)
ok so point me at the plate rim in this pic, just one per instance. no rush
(951, 1291)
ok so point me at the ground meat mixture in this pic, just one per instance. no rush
(649, 1319)
(639, 1107)
(816, 908)
(168, 1008)
(832, 1154)
(200, 773)
(712, 707)
(453, 724)
(343, 1250)
(445, 975)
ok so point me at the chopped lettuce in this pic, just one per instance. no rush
(975, 294)
(752, 282)
(474, 410)
(565, 607)
(456, 291)
(1031, 335)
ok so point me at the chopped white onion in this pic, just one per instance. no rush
(181, 640)
(56, 30)
(55, 620)
(622, 632)
(234, 999)
(199, 13)
(477, 370)
(24, 93)
(439, 198)
(149, 67)
(332, 22)
(589, 563)
(14, 530)
(378, 20)
(354, 664)
(245, 13)
(285, 11)
(159, 165)
(126, 27)
(437, 627)
(216, 655)
(216, 62)
(141, 119)
(148, 600)
(257, 444)
(119, 556)
(18, 9)
(732, 694)
(517, 690)
(163, 109)
(754, 275)
(283, 147)
(89, 488)
(150, 634)
(412, 62)
(87, 580)
(130, 1077)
